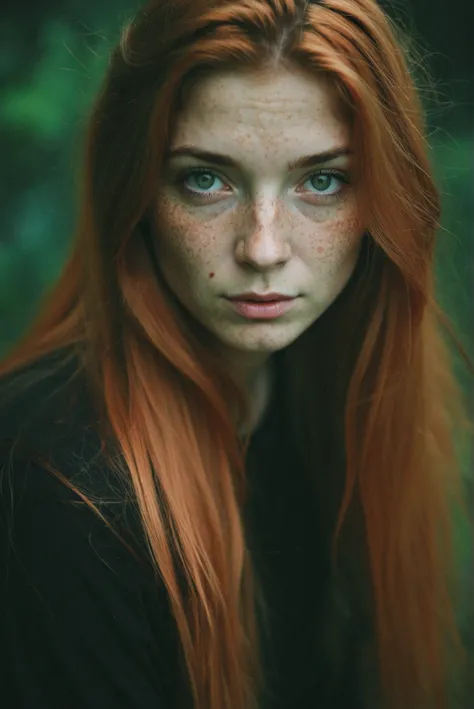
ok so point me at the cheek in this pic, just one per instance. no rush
(337, 240)
(182, 237)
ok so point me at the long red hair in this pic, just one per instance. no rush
(373, 382)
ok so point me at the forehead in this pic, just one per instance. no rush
(282, 111)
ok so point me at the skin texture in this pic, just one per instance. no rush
(258, 227)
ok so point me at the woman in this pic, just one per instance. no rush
(231, 440)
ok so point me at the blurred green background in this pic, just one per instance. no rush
(53, 55)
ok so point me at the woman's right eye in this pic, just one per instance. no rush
(200, 182)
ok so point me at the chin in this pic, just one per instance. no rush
(262, 339)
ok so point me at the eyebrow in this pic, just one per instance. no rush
(227, 161)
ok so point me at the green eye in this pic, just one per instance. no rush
(326, 183)
(204, 181)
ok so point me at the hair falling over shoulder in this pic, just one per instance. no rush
(401, 414)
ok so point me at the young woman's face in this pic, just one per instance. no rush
(250, 217)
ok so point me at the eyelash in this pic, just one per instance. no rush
(341, 176)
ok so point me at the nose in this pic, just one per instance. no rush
(264, 242)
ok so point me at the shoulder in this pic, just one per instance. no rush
(49, 533)
(47, 415)
(53, 464)
(43, 402)
(51, 449)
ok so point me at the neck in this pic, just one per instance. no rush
(253, 373)
(257, 381)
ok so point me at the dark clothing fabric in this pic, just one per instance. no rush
(85, 624)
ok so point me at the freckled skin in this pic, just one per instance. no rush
(260, 230)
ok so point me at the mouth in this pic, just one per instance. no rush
(268, 306)
(261, 297)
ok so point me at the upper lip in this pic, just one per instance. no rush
(261, 296)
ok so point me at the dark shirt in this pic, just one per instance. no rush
(84, 623)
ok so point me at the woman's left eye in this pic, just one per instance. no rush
(326, 183)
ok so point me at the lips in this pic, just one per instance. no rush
(261, 297)
(262, 307)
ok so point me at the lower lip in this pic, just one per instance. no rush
(265, 310)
